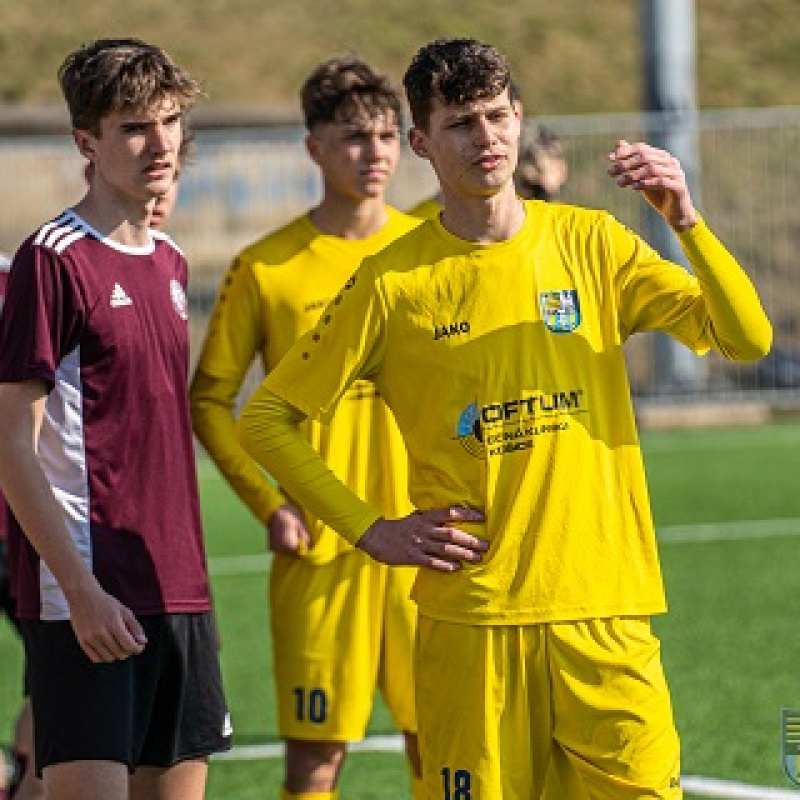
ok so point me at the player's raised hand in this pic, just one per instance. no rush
(658, 176)
(286, 531)
(426, 539)
(106, 629)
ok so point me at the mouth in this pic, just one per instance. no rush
(159, 170)
(490, 161)
(375, 174)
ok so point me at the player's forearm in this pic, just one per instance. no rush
(34, 505)
(214, 425)
(268, 431)
(740, 327)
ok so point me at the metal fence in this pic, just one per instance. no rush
(245, 182)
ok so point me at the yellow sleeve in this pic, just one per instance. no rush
(714, 307)
(268, 430)
(232, 342)
(738, 325)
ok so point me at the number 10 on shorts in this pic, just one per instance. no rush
(310, 705)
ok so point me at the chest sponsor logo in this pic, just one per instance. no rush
(453, 329)
(560, 310)
(119, 297)
(509, 426)
(178, 297)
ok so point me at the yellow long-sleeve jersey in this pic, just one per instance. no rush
(504, 366)
(273, 293)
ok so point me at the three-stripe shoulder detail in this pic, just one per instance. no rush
(59, 234)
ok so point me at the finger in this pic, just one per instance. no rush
(99, 650)
(91, 652)
(439, 564)
(134, 627)
(453, 514)
(444, 534)
(621, 149)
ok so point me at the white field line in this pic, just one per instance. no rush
(703, 787)
(736, 531)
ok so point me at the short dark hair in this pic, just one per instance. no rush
(455, 71)
(110, 75)
(345, 88)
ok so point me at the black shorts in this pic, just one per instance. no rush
(156, 709)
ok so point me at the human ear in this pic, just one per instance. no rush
(418, 143)
(312, 148)
(84, 141)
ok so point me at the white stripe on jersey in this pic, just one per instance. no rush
(62, 454)
(166, 238)
(60, 233)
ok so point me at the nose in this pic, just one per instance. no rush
(374, 146)
(161, 138)
(483, 131)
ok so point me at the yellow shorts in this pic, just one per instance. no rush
(499, 706)
(339, 631)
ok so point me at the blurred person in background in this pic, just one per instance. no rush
(342, 625)
(542, 168)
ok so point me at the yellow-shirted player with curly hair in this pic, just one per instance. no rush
(495, 332)
(341, 623)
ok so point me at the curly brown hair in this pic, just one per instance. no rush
(345, 88)
(110, 75)
(455, 71)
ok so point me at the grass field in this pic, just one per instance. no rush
(727, 507)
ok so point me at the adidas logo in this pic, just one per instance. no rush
(227, 728)
(119, 298)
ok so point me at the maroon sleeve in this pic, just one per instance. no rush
(42, 316)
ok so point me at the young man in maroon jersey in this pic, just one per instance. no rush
(97, 461)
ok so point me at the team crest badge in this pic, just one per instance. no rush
(178, 299)
(790, 744)
(560, 309)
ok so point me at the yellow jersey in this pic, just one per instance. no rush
(273, 293)
(427, 209)
(504, 366)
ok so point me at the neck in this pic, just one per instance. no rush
(350, 219)
(483, 219)
(125, 224)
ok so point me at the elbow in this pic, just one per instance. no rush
(198, 413)
(759, 343)
(244, 433)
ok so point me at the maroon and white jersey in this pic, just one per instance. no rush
(4, 267)
(105, 327)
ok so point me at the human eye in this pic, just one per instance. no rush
(133, 127)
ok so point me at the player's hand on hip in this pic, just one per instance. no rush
(426, 539)
(105, 628)
(658, 176)
(286, 531)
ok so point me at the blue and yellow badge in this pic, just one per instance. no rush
(790, 744)
(560, 309)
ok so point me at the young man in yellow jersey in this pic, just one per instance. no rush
(495, 332)
(341, 623)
